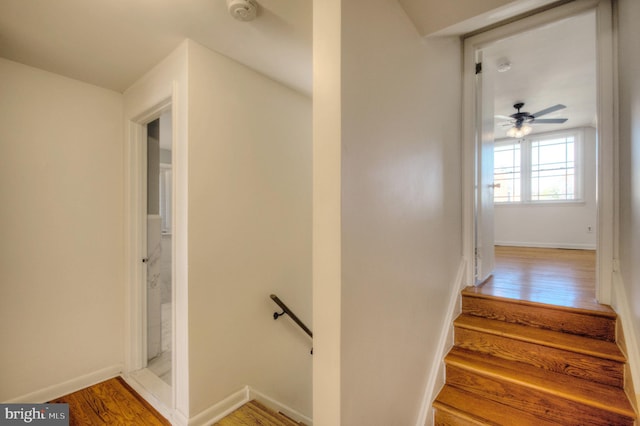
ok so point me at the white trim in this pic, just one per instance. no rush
(605, 130)
(279, 407)
(144, 382)
(221, 409)
(158, 394)
(619, 302)
(606, 146)
(569, 246)
(445, 343)
(135, 233)
(70, 386)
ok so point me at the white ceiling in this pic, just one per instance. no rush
(112, 43)
(552, 65)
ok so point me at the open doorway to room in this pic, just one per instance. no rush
(536, 157)
(544, 193)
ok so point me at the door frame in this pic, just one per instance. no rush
(606, 144)
(161, 396)
(138, 232)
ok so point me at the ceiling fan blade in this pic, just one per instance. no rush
(503, 117)
(550, 120)
(549, 110)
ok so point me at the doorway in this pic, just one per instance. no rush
(151, 368)
(552, 89)
(159, 259)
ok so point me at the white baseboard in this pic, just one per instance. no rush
(221, 409)
(235, 401)
(569, 246)
(70, 386)
(621, 306)
(179, 419)
(153, 390)
(444, 345)
(279, 407)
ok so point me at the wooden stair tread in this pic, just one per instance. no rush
(559, 385)
(596, 310)
(550, 338)
(542, 316)
(485, 411)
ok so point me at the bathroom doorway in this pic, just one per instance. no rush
(159, 259)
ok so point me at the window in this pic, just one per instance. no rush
(506, 173)
(542, 168)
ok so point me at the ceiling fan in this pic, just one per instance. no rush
(521, 120)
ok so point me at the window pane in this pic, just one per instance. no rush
(553, 169)
(506, 162)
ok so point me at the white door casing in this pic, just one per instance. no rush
(484, 252)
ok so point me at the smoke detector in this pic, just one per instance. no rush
(243, 10)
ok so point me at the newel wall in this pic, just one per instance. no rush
(386, 209)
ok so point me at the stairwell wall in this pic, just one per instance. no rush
(249, 233)
(629, 157)
(400, 222)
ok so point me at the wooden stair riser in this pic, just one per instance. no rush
(574, 364)
(554, 318)
(534, 401)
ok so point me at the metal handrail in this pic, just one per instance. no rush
(286, 310)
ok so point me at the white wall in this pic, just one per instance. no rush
(553, 225)
(629, 155)
(250, 233)
(400, 225)
(326, 211)
(61, 310)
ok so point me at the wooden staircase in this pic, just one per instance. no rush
(523, 363)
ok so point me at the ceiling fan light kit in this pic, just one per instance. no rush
(520, 132)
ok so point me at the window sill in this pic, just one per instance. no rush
(564, 203)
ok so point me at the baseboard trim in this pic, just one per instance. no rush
(444, 345)
(621, 306)
(568, 246)
(221, 409)
(278, 406)
(55, 391)
(153, 390)
(234, 401)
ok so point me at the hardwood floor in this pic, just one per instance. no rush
(112, 402)
(253, 414)
(544, 275)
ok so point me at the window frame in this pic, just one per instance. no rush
(526, 167)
